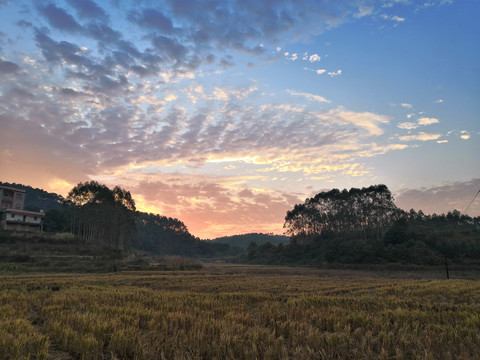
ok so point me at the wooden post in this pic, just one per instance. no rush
(446, 267)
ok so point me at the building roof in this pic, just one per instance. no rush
(11, 188)
(23, 212)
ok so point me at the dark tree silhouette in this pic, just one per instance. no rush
(364, 213)
(100, 215)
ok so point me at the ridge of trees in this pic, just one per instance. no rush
(365, 226)
(37, 199)
(242, 241)
(108, 217)
(336, 226)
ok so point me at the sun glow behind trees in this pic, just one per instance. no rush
(101, 216)
(363, 213)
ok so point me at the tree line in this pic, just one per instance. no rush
(365, 226)
(337, 226)
(108, 217)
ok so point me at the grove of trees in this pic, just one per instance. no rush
(336, 226)
(101, 216)
(365, 226)
(365, 213)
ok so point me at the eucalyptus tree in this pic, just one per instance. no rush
(100, 215)
(356, 213)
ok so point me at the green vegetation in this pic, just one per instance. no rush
(107, 218)
(363, 226)
(68, 253)
(37, 199)
(168, 236)
(244, 241)
(356, 226)
(237, 313)
(101, 216)
(60, 252)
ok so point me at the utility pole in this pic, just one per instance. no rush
(451, 233)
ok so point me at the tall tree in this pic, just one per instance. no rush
(100, 215)
(366, 213)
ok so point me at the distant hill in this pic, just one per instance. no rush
(37, 199)
(244, 240)
(155, 234)
(169, 236)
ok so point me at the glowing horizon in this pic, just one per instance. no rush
(225, 115)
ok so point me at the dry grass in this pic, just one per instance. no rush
(237, 313)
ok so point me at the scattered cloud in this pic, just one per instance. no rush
(310, 97)
(291, 57)
(427, 121)
(406, 106)
(424, 121)
(364, 11)
(335, 73)
(439, 101)
(161, 102)
(421, 136)
(397, 18)
(407, 125)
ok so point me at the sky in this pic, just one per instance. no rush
(226, 113)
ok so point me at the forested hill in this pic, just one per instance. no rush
(365, 226)
(108, 217)
(244, 240)
(37, 199)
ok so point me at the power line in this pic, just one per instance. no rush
(453, 228)
(471, 202)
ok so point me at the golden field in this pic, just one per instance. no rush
(237, 312)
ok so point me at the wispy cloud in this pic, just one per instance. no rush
(335, 73)
(421, 136)
(364, 11)
(310, 97)
(424, 121)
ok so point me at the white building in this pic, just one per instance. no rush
(12, 215)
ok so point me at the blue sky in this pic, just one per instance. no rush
(225, 114)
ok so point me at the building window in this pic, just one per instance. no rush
(17, 206)
(35, 218)
(12, 215)
(19, 196)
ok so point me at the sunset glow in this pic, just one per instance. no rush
(226, 114)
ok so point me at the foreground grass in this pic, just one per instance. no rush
(237, 313)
